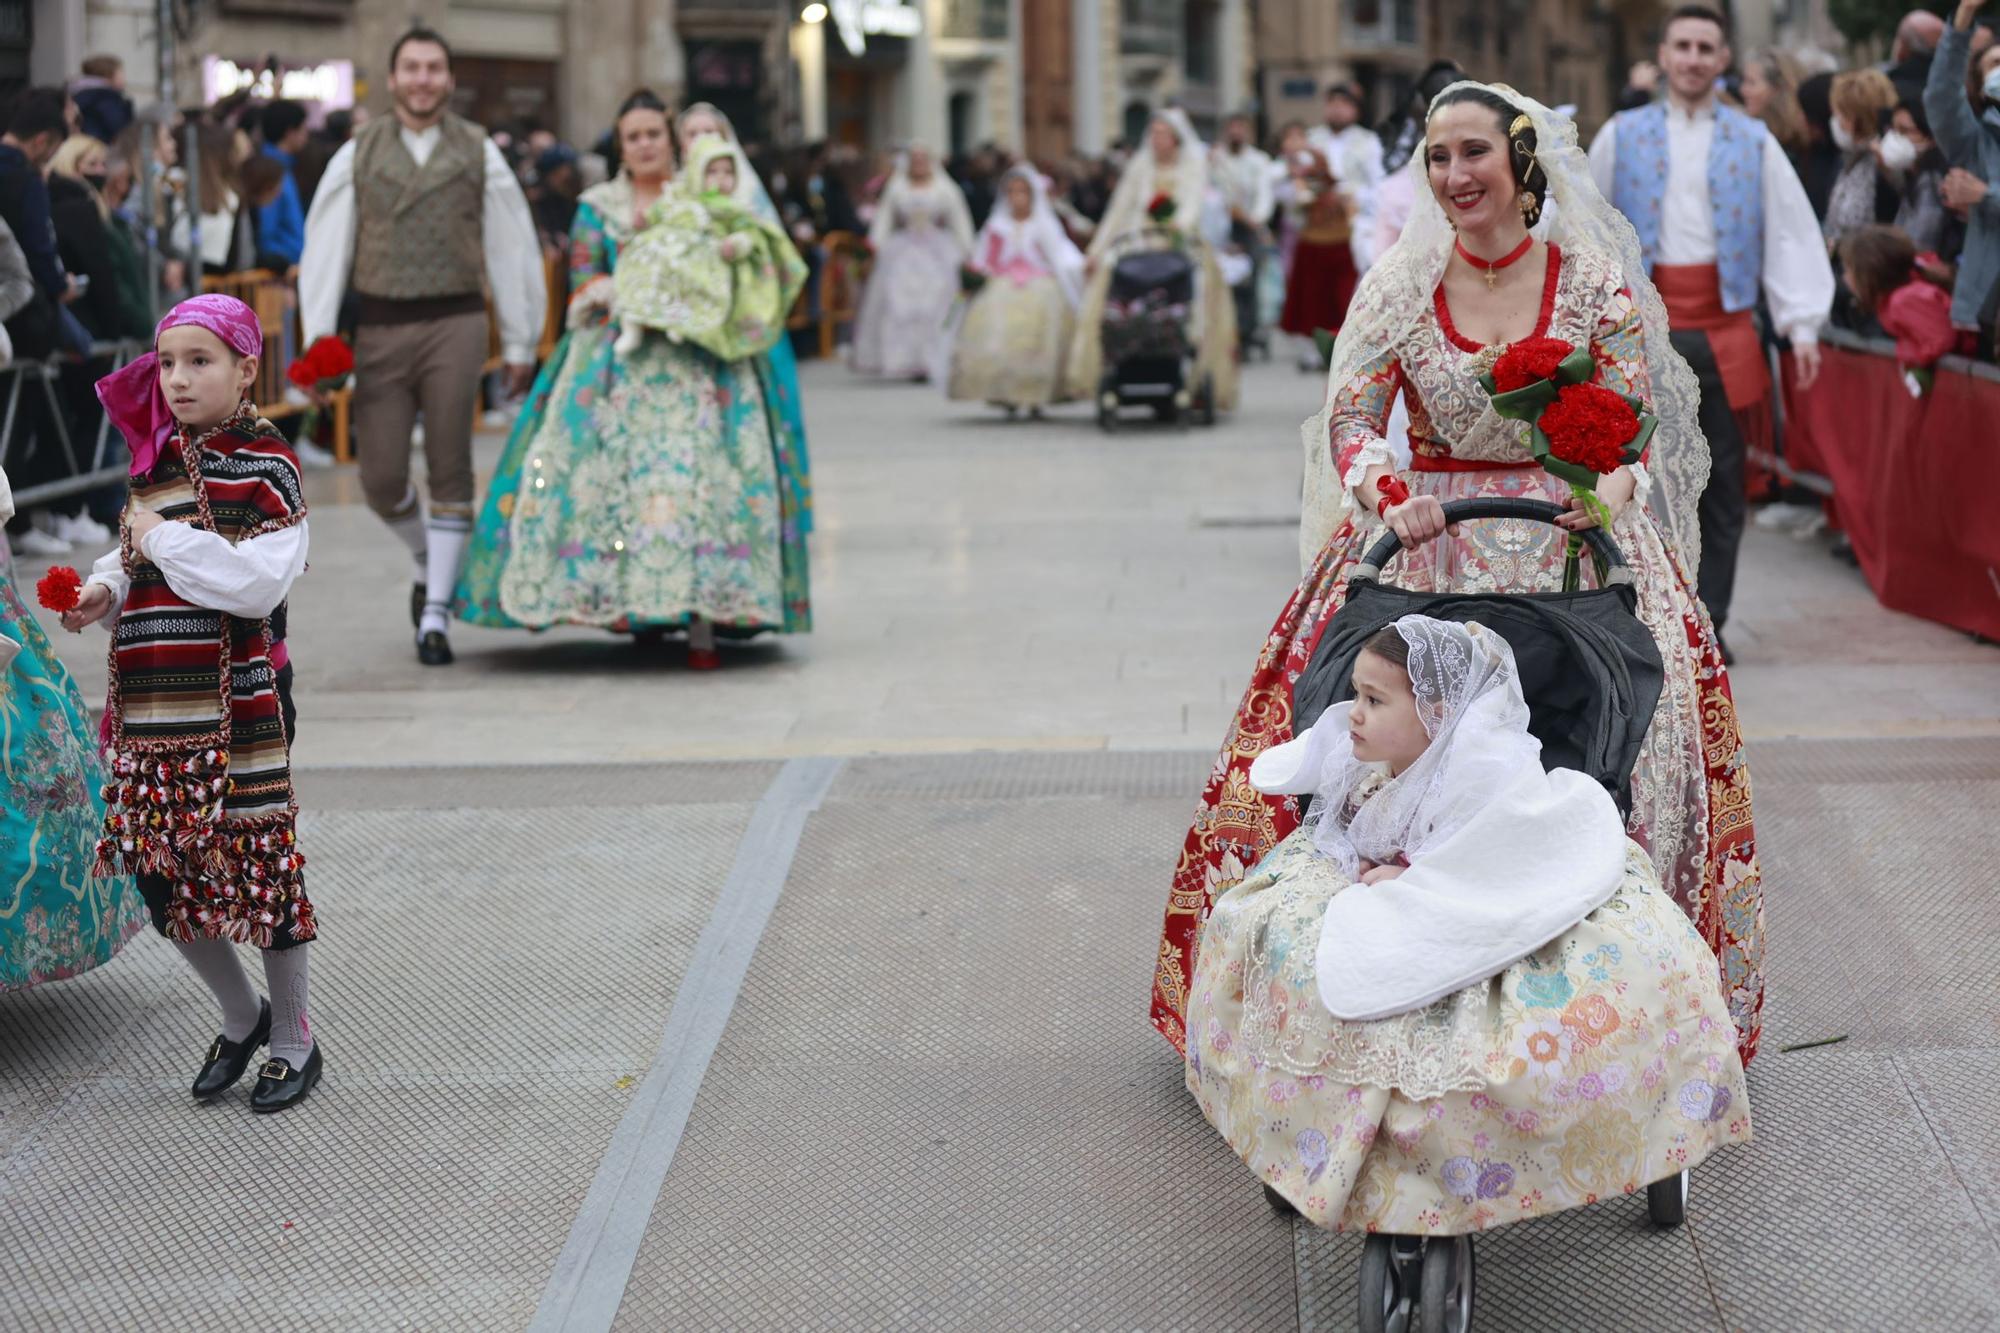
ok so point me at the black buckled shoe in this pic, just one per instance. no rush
(279, 1085)
(419, 593)
(434, 649)
(228, 1059)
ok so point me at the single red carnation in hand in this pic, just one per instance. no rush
(1589, 425)
(60, 589)
(1529, 361)
(1161, 207)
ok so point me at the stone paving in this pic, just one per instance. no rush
(812, 993)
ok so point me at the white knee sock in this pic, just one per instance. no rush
(215, 962)
(408, 525)
(447, 535)
(291, 1031)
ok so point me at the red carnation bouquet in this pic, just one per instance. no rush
(324, 367)
(60, 589)
(1578, 429)
(1161, 209)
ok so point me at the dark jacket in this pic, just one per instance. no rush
(24, 205)
(114, 305)
(102, 111)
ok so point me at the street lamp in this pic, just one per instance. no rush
(813, 13)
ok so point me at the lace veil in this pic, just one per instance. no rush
(1397, 291)
(1389, 984)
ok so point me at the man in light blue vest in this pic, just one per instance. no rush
(1721, 217)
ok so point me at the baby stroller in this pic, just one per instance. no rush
(1591, 675)
(1148, 349)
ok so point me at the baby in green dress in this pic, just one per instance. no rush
(704, 267)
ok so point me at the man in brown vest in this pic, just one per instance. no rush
(421, 214)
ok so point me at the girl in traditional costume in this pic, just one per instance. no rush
(200, 791)
(1430, 315)
(922, 234)
(1323, 275)
(1015, 334)
(1170, 171)
(1456, 997)
(56, 918)
(641, 493)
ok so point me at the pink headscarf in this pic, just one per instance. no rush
(131, 395)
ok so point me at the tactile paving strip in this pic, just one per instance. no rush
(487, 989)
(533, 787)
(939, 1104)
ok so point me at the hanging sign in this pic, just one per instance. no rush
(858, 20)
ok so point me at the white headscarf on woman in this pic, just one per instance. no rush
(1399, 288)
(1040, 239)
(901, 192)
(1503, 857)
(750, 191)
(1144, 177)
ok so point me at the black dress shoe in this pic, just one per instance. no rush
(279, 1085)
(418, 594)
(228, 1059)
(434, 649)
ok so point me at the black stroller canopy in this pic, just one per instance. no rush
(1590, 670)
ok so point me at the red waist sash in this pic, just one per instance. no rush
(1446, 463)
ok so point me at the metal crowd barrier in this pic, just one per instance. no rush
(106, 464)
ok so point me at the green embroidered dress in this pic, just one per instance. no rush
(640, 491)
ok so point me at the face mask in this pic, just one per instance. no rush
(1898, 153)
(1841, 138)
(1992, 85)
(95, 179)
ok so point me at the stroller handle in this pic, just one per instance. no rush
(1459, 511)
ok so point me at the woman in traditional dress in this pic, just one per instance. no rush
(1457, 998)
(1428, 318)
(1174, 164)
(778, 367)
(1010, 347)
(921, 235)
(639, 494)
(56, 919)
(1323, 275)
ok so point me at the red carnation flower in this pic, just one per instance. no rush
(1161, 207)
(60, 589)
(329, 358)
(1528, 362)
(1589, 425)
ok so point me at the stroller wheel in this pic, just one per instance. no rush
(1667, 1201)
(1446, 1300)
(1205, 404)
(1386, 1296)
(1279, 1203)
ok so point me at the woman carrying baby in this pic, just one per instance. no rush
(640, 492)
(1456, 996)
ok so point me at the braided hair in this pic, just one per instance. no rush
(1519, 130)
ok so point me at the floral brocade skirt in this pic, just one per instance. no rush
(1602, 1062)
(56, 918)
(1011, 344)
(1690, 788)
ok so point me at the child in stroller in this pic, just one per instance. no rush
(1149, 352)
(1456, 997)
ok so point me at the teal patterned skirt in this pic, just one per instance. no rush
(637, 492)
(55, 920)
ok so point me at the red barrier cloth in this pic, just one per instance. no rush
(1914, 479)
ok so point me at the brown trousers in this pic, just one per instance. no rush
(430, 366)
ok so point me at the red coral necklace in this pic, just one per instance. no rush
(1492, 266)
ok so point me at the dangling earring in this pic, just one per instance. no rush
(1526, 202)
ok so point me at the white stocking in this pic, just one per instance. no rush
(291, 1031)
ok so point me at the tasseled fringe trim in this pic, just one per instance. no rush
(166, 818)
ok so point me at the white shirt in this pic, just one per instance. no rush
(247, 579)
(1245, 178)
(1355, 156)
(507, 238)
(1797, 279)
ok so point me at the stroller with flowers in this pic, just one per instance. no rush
(1590, 675)
(1149, 346)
